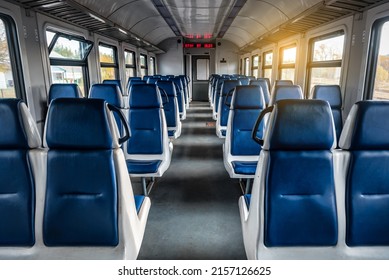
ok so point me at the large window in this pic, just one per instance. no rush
(288, 63)
(152, 66)
(325, 63)
(255, 66)
(143, 65)
(68, 58)
(11, 76)
(108, 62)
(247, 66)
(377, 84)
(129, 60)
(267, 65)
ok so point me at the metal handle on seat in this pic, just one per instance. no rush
(124, 122)
(257, 123)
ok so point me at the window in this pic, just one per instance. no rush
(11, 75)
(377, 84)
(143, 65)
(325, 62)
(267, 65)
(288, 63)
(129, 60)
(68, 58)
(152, 66)
(255, 66)
(247, 66)
(108, 62)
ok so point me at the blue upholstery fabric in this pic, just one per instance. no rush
(247, 198)
(92, 133)
(63, 91)
(302, 125)
(152, 80)
(247, 103)
(245, 167)
(244, 81)
(184, 87)
(145, 96)
(265, 88)
(283, 83)
(217, 93)
(146, 77)
(169, 107)
(300, 206)
(224, 109)
(180, 93)
(17, 190)
(114, 82)
(138, 202)
(224, 132)
(143, 166)
(81, 209)
(282, 92)
(332, 94)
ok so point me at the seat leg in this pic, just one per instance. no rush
(248, 186)
(147, 186)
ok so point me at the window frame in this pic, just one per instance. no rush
(115, 64)
(152, 61)
(14, 55)
(246, 67)
(253, 68)
(267, 67)
(322, 64)
(130, 66)
(145, 67)
(282, 66)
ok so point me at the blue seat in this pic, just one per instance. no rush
(365, 140)
(216, 97)
(332, 94)
(292, 211)
(148, 151)
(180, 96)
(185, 85)
(118, 83)
(244, 81)
(19, 173)
(93, 213)
(170, 108)
(282, 92)
(265, 88)
(63, 91)
(146, 77)
(153, 80)
(222, 118)
(112, 95)
(240, 151)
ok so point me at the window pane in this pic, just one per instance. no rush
(49, 37)
(268, 59)
(152, 66)
(7, 89)
(143, 72)
(287, 74)
(328, 49)
(108, 73)
(68, 75)
(143, 60)
(325, 76)
(247, 66)
(267, 73)
(107, 54)
(130, 72)
(289, 55)
(69, 49)
(381, 82)
(255, 61)
(129, 58)
(202, 69)
(255, 73)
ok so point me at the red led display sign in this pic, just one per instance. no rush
(199, 45)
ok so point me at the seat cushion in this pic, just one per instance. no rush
(245, 167)
(138, 202)
(143, 166)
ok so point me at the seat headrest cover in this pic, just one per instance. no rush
(286, 92)
(247, 97)
(178, 82)
(284, 83)
(114, 82)
(18, 128)
(168, 86)
(79, 124)
(145, 96)
(152, 80)
(108, 92)
(63, 91)
(366, 127)
(330, 93)
(228, 85)
(300, 125)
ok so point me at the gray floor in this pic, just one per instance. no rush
(194, 212)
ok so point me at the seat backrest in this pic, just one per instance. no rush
(63, 91)
(18, 136)
(118, 83)
(185, 87)
(332, 94)
(145, 120)
(171, 107)
(244, 81)
(365, 136)
(153, 80)
(112, 95)
(299, 201)
(180, 93)
(286, 92)
(265, 88)
(216, 97)
(226, 89)
(283, 83)
(246, 105)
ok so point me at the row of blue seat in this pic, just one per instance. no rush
(73, 198)
(312, 201)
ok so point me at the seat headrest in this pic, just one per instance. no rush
(366, 127)
(108, 92)
(330, 93)
(247, 97)
(244, 81)
(168, 86)
(152, 80)
(145, 96)
(63, 91)
(79, 124)
(178, 82)
(228, 85)
(114, 82)
(286, 92)
(283, 83)
(18, 128)
(300, 125)
(262, 83)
